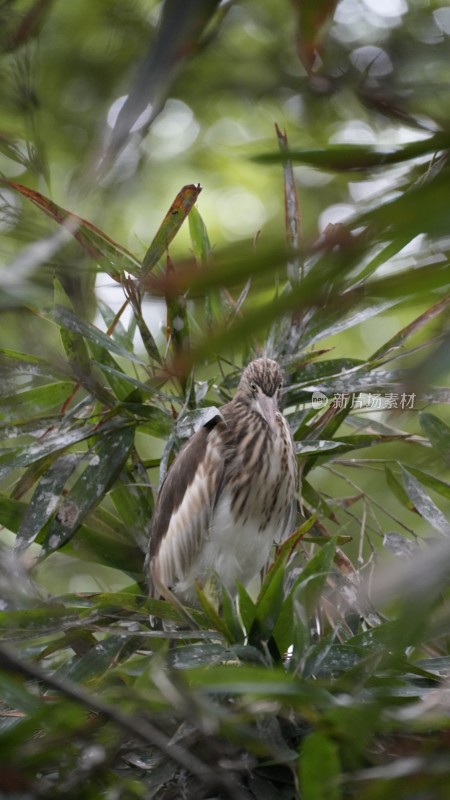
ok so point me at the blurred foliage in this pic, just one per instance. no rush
(130, 298)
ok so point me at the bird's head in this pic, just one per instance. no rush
(260, 389)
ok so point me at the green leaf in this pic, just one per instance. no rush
(48, 618)
(324, 449)
(438, 433)
(134, 296)
(271, 603)
(74, 344)
(102, 543)
(231, 617)
(304, 594)
(322, 446)
(207, 653)
(398, 489)
(315, 499)
(199, 236)
(246, 606)
(29, 364)
(15, 694)
(118, 332)
(211, 614)
(359, 157)
(11, 513)
(438, 485)
(424, 505)
(396, 341)
(268, 607)
(54, 441)
(319, 768)
(177, 319)
(24, 404)
(119, 382)
(45, 500)
(201, 247)
(313, 292)
(171, 224)
(336, 321)
(104, 655)
(104, 462)
(67, 319)
(132, 496)
(255, 681)
(340, 539)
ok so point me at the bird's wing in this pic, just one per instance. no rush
(185, 504)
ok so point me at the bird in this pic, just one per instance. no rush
(229, 495)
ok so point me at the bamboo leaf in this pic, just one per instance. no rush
(359, 157)
(291, 211)
(231, 617)
(201, 245)
(44, 502)
(416, 325)
(211, 614)
(120, 383)
(99, 658)
(177, 320)
(438, 433)
(178, 36)
(319, 768)
(53, 441)
(101, 543)
(171, 224)
(132, 496)
(315, 573)
(115, 327)
(246, 607)
(268, 607)
(29, 364)
(67, 319)
(389, 288)
(105, 460)
(134, 296)
(438, 485)
(11, 513)
(76, 349)
(398, 489)
(23, 404)
(303, 593)
(424, 505)
(112, 257)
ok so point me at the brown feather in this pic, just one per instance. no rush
(231, 460)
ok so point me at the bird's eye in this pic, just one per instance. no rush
(253, 387)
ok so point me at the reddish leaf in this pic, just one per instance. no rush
(113, 258)
(30, 24)
(170, 225)
(312, 17)
(291, 210)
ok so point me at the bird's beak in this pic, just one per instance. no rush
(268, 407)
